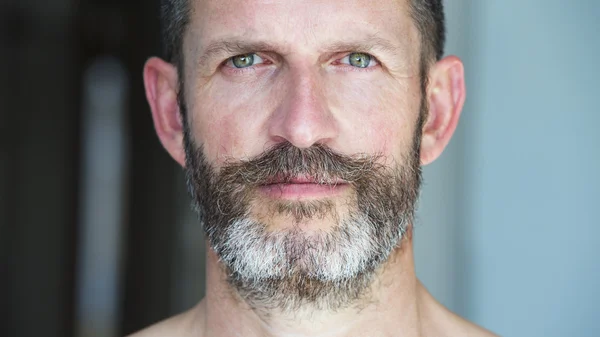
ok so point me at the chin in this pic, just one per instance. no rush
(316, 215)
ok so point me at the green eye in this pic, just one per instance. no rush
(243, 61)
(359, 60)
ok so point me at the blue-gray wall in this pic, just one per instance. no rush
(509, 225)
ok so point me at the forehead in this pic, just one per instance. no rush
(300, 23)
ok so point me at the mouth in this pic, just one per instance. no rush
(301, 188)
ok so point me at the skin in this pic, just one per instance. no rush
(305, 93)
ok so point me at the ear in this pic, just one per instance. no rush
(162, 85)
(446, 96)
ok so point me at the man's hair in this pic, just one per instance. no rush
(427, 14)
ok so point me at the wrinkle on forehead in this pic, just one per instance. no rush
(299, 27)
(299, 23)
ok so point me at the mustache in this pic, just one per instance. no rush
(284, 162)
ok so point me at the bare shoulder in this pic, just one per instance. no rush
(468, 329)
(183, 325)
(454, 326)
(439, 321)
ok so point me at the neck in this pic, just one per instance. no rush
(391, 307)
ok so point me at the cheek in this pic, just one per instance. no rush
(222, 137)
(219, 131)
(377, 116)
(381, 135)
(229, 125)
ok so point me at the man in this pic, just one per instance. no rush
(302, 126)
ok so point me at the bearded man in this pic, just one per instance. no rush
(302, 127)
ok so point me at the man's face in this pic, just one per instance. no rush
(302, 139)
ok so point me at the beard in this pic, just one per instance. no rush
(289, 268)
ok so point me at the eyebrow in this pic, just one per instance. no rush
(370, 43)
(232, 47)
(238, 45)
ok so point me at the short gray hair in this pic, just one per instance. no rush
(174, 19)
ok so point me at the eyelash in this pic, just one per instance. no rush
(267, 61)
(352, 68)
(241, 71)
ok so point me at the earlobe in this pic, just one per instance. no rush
(445, 96)
(161, 83)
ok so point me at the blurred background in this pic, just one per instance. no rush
(96, 235)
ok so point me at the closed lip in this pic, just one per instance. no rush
(305, 187)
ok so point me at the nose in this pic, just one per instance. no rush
(303, 117)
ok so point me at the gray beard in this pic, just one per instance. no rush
(291, 268)
(288, 269)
